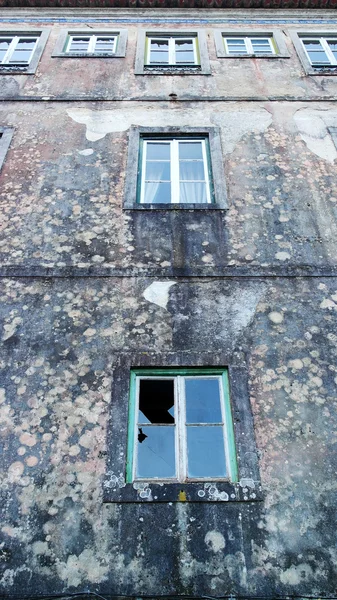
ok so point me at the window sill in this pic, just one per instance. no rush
(245, 491)
(264, 56)
(331, 71)
(14, 69)
(172, 70)
(158, 206)
(86, 55)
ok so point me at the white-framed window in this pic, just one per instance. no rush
(249, 45)
(172, 53)
(245, 44)
(17, 49)
(91, 44)
(180, 427)
(321, 51)
(174, 171)
(104, 43)
(177, 51)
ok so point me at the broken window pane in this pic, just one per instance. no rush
(156, 401)
(156, 452)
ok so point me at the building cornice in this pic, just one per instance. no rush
(173, 4)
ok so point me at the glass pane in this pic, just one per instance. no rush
(23, 51)
(205, 452)
(192, 170)
(156, 452)
(237, 50)
(190, 150)
(193, 193)
(185, 57)
(157, 171)
(157, 193)
(79, 45)
(260, 41)
(4, 45)
(158, 151)
(159, 45)
(159, 57)
(105, 47)
(182, 45)
(316, 52)
(236, 41)
(333, 47)
(156, 401)
(262, 50)
(202, 401)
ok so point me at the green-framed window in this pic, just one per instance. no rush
(180, 426)
(172, 51)
(174, 171)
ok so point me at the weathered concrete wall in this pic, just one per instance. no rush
(62, 194)
(60, 341)
(79, 289)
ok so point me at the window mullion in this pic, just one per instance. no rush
(181, 429)
(11, 49)
(92, 44)
(172, 51)
(249, 46)
(328, 51)
(175, 184)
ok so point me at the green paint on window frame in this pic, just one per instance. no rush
(157, 136)
(175, 372)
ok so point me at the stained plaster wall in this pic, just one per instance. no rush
(85, 282)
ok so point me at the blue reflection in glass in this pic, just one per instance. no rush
(202, 401)
(156, 452)
(205, 452)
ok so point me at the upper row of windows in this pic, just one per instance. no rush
(163, 52)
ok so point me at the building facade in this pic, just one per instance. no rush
(168, 204)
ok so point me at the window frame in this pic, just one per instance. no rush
(6, 134)
(174, 167)
(29, 68)
(178, 376)
(246, 488)
(217, 186)
(202, 67)
(277, 41)
(62, 44)
(297, 36)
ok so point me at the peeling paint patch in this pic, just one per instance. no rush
(158, 292)
(235, 124)
(313, 127)
(215, 541)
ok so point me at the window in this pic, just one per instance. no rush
(170, 168)
(321, 52)
(239, 44)
(317, 51)
(180, 427)
(17, 50)
(20, 52)
(6, 134)
(174, 171)
(181, 432)
(101, 44)
(172, 53)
